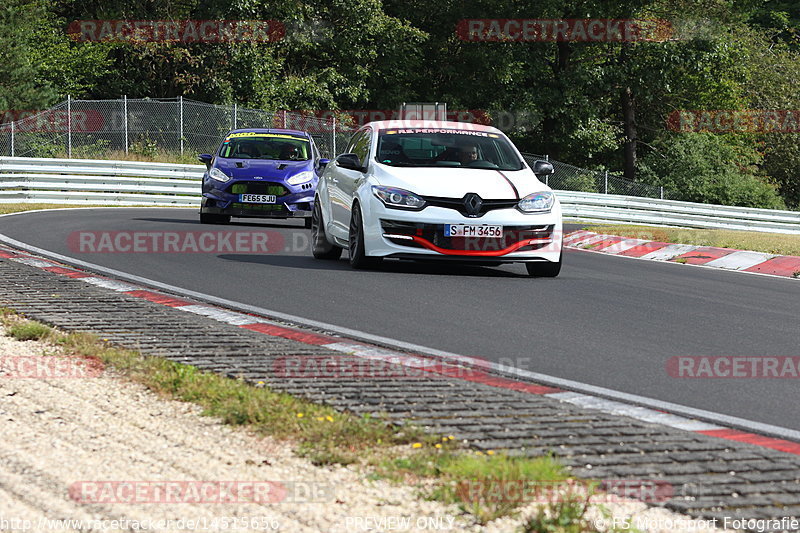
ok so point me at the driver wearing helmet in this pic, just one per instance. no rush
(290, 152)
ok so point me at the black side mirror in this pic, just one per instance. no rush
(206, 158)
(543, 168)
(322, 163)
(350, 162)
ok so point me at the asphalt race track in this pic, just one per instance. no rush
(606, 321)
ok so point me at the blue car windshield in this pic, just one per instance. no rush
(274, 146)
(437, 147)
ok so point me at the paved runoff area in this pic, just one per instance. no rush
(739, 481)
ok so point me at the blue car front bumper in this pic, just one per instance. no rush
(292, 201)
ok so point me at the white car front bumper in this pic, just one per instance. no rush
(427, 245)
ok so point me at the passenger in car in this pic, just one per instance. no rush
(392, 153)
(248, 150)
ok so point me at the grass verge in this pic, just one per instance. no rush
(19, 208)
(771, 243)
(148, 153)
(396, 453)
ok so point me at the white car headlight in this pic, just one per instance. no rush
(398, 198)
(538, 202)
(300, 177)
(218, 175)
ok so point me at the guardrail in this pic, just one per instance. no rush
(90, 181)
(86, 181)
(635, 210)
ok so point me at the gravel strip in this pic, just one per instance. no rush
(711, 477)
(61, 431)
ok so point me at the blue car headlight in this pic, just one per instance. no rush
(218, 175)
(301, 177)
(538, 202)
(398, 198)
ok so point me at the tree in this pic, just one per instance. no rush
(21, 85)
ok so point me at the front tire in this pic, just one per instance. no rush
(545, 269)
(211, 218)
(358, 255)
(320, 247)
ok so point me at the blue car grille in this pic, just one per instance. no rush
(258, 187)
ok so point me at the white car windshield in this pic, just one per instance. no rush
(446, 147)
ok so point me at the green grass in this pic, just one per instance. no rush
(19, 208)
(147, 155)
(771, 243)
(187, 158)
(568, 515)
(400, 454)
(485, 485)
(28, 331)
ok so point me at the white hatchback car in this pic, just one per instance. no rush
(436, 190)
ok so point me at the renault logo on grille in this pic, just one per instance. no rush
(473, 204)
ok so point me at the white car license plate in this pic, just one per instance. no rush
(473, 230)
(257, 198)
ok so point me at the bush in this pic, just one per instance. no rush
(709, 168)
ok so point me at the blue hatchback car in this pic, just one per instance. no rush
(261, 173)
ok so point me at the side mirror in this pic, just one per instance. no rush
(322, 163)
(206, 158)
(543, 168)
(350, 162)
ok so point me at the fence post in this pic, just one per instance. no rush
(283, 118)
(606, 183)
(180, 103)
(12, 138)
(235, 113)
(547, 177)
(333, 137)
(125, 119)
(69, 126)
(662, 192)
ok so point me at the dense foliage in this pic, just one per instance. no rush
(600, 105)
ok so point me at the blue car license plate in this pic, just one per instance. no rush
(257, 198)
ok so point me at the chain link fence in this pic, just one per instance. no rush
(101, 128)
(570, 178)
(106, 129)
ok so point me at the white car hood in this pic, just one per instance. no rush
(456, 182)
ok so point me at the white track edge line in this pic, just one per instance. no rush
(673, 408)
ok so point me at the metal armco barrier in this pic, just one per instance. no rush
(636, 210)
(86, 181)
(89, 181)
